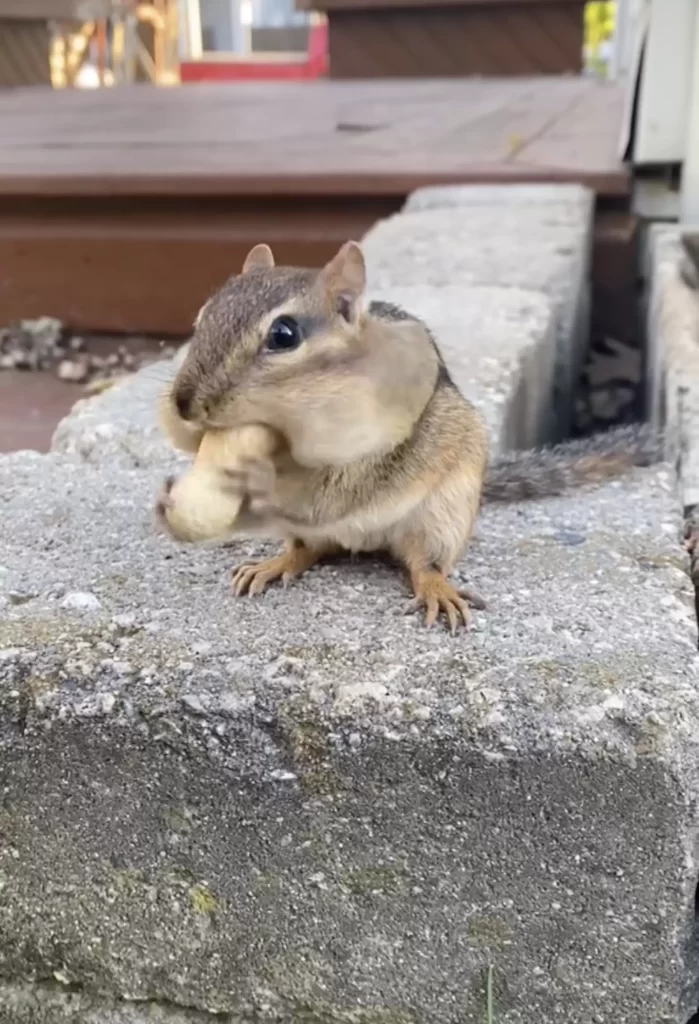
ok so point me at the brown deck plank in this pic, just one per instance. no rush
(121, 209)
(266, 139)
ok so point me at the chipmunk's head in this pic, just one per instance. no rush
(293, 349)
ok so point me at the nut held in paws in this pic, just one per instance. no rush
(199, 506)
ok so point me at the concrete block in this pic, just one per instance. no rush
(307, 807)
(560, 203)
(673, 356)
(500, 344)
(538, 238)
(121, 423)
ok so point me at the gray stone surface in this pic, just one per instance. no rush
(673, 356)
(560, 203)
(121, 423)
(499, 343)
(307, 808)
(531, 237)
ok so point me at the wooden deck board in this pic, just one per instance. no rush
(121, 209)
(327, 136)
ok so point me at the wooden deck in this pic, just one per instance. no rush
(120, 209)
(418, 38)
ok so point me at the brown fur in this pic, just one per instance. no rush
(383, 452)
(547, 472)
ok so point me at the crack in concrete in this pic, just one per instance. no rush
(691, 539)
(45, 998)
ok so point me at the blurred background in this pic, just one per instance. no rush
(148, 144)
(93, 43)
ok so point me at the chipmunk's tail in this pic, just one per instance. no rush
(547, 472)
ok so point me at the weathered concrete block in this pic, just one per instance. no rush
(673, 356)
(500, 344)
(121, 423)
(308, 808)
(533, 237)
(562, 203)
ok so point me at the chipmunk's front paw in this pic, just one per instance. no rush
(256, 480)
(435, 594)
(253, 579)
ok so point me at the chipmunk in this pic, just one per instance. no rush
(380, 452)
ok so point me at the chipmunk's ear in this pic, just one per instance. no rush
(260, 257)
(344, 278)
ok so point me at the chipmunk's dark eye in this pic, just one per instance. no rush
(283, 335)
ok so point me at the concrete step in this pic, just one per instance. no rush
(308, 808)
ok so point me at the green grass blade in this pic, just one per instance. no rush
(489, 996)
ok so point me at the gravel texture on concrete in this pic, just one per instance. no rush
(306, 807)
(673, 355)
(506, 235)
(538, 238)
(499, 343)
(56, 1002)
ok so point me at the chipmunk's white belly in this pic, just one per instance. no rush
(350, 536)
(372, 529)
(355, 539)
(441, 520)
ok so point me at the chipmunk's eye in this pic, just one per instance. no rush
(283, 335)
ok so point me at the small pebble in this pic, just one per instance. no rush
(74, 370)
(81, 602)
(570, 538)
(191, 701)
(124, 622)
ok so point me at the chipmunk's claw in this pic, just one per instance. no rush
(473, 597)
(435, 594)
(253, 578)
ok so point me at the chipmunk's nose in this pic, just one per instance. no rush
(184, 397)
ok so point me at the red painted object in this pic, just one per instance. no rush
(313, 65)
